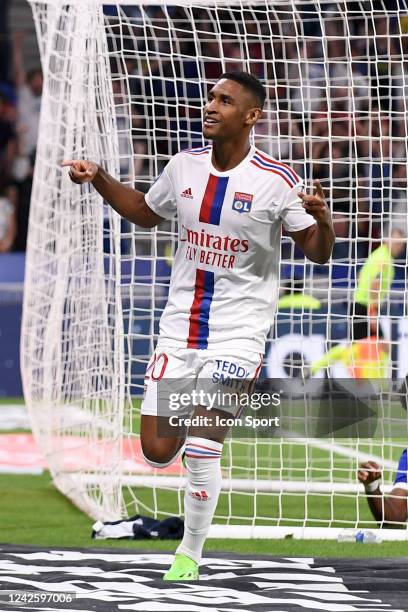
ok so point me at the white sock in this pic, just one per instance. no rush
(203, 459)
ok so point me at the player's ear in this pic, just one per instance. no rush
(253, 115)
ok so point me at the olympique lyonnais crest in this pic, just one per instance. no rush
(242, 202)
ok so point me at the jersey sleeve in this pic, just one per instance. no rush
(293, 215)
(401, 477)
(161, 197)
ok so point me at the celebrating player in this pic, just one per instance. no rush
(388, 510)
(231, 200)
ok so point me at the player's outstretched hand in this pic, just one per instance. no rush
(368, 472)
(81, 171)
(315, 204)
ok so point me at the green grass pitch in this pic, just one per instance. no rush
(33, 512)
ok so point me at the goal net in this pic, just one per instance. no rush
(124, 85)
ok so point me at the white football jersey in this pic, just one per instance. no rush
(225, 277)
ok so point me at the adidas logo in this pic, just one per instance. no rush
(200, 495)
(187, 193)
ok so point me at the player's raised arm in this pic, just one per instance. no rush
(316, 241)
(389, 510)
(128, 202)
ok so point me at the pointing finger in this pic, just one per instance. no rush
(319, 189)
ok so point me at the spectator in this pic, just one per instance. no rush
(4, 42)
(8, 206)
(29, 88)
(306, 75)
(8, 139)
(277, 134)
(23, 186)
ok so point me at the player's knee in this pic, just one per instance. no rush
(157, 455)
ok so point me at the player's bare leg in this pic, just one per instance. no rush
(159, 450)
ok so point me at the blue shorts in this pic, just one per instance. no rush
(401, 477)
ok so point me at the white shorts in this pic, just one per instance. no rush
(178, 380)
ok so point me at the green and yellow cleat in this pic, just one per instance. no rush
(183, 568)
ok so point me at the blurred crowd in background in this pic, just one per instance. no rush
(336, 107)
(20, 102)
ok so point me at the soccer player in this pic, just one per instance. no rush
(388, 510)
(364, 359)
(373, 286)
(231, 200)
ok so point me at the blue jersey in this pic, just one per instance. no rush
(401, 479)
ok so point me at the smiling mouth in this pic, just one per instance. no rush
(209, 121)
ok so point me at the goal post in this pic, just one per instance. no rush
(124, 85)
(72, 342)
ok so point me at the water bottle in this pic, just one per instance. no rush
(366, 537)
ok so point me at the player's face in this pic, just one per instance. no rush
(229, 110)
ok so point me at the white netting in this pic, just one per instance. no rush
(124, 86)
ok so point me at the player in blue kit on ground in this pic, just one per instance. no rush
(231, 200)
(389, 510)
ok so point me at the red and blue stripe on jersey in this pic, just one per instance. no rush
(210, 212)
(260, 160)
(200, 310)
(198, 151)
(213, 199)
